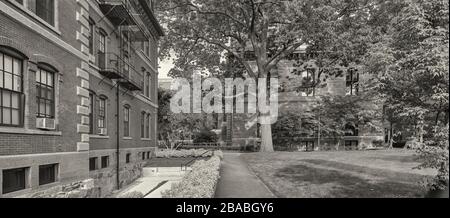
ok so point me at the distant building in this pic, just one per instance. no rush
(242, 129)
(78, 89)
(165, 83)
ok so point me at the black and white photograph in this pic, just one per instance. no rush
(223, 100)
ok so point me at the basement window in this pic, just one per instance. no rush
(93, 164)
(128, 158)
(14, 180)
(48, 174)
(105, 162)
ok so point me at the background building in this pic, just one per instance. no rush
(296, 97)
(79, 93)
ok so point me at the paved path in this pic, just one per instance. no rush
(238, 181)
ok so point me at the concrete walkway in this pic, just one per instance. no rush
(238, 181)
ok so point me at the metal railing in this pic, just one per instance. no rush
(184, 166)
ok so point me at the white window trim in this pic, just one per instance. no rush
(105, 98)
(24, 8)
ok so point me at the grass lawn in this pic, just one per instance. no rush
(343, 174)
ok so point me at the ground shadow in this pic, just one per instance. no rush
(345, 185)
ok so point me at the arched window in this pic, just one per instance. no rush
(126, 120)
(11, 88)
(148, 81)
(143, 114)
(45, 91)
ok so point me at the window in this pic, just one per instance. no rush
(45, 9)
(11, 90)
(126, 121)
(148, 155)
(105, 162)
(351, 144)
(45, 92)
(143, 124)
(48, 174)
(102, 114)
(14, 180)
(351, 130)
(91, 112)
(148, 81)
(102, 49)
(146, 47)
(308, 145)
(91, 36)
(93, 163)
(143, 155)
(352, 82)
(128, 158)
(308, 83)
(147, 126)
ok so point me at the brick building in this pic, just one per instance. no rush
(78, 90)
(242, 129)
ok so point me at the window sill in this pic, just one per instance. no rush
(146, 139)
(98, 136)
(37, 18)
(127, 138)
(12, 130)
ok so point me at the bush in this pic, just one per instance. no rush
(378, 143)
(168, 153)
(205, 136)
(201, 182)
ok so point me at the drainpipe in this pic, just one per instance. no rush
(118, 135)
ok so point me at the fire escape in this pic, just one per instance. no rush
(119, 66)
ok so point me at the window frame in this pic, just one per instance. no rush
(93, 163)
(39, 85)
(104, 162)
(12, 90)
(91, 37)
(128, 158)
(53, 174)
(352, 82)
(126, 121)
(102, 117)
(23, 180)
(55, 15)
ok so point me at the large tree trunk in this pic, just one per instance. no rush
(266, 138)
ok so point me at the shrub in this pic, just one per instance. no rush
(201, 182)
(205, 136)
(434, 154)
(168, 153)
(378, 143)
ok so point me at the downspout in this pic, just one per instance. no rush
(118, 136)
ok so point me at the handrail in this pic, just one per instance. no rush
(185, 165)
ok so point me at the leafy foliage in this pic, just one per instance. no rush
(174, 128)
(411, 66)
(205, 34)
(205, 136)
(201, 182)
